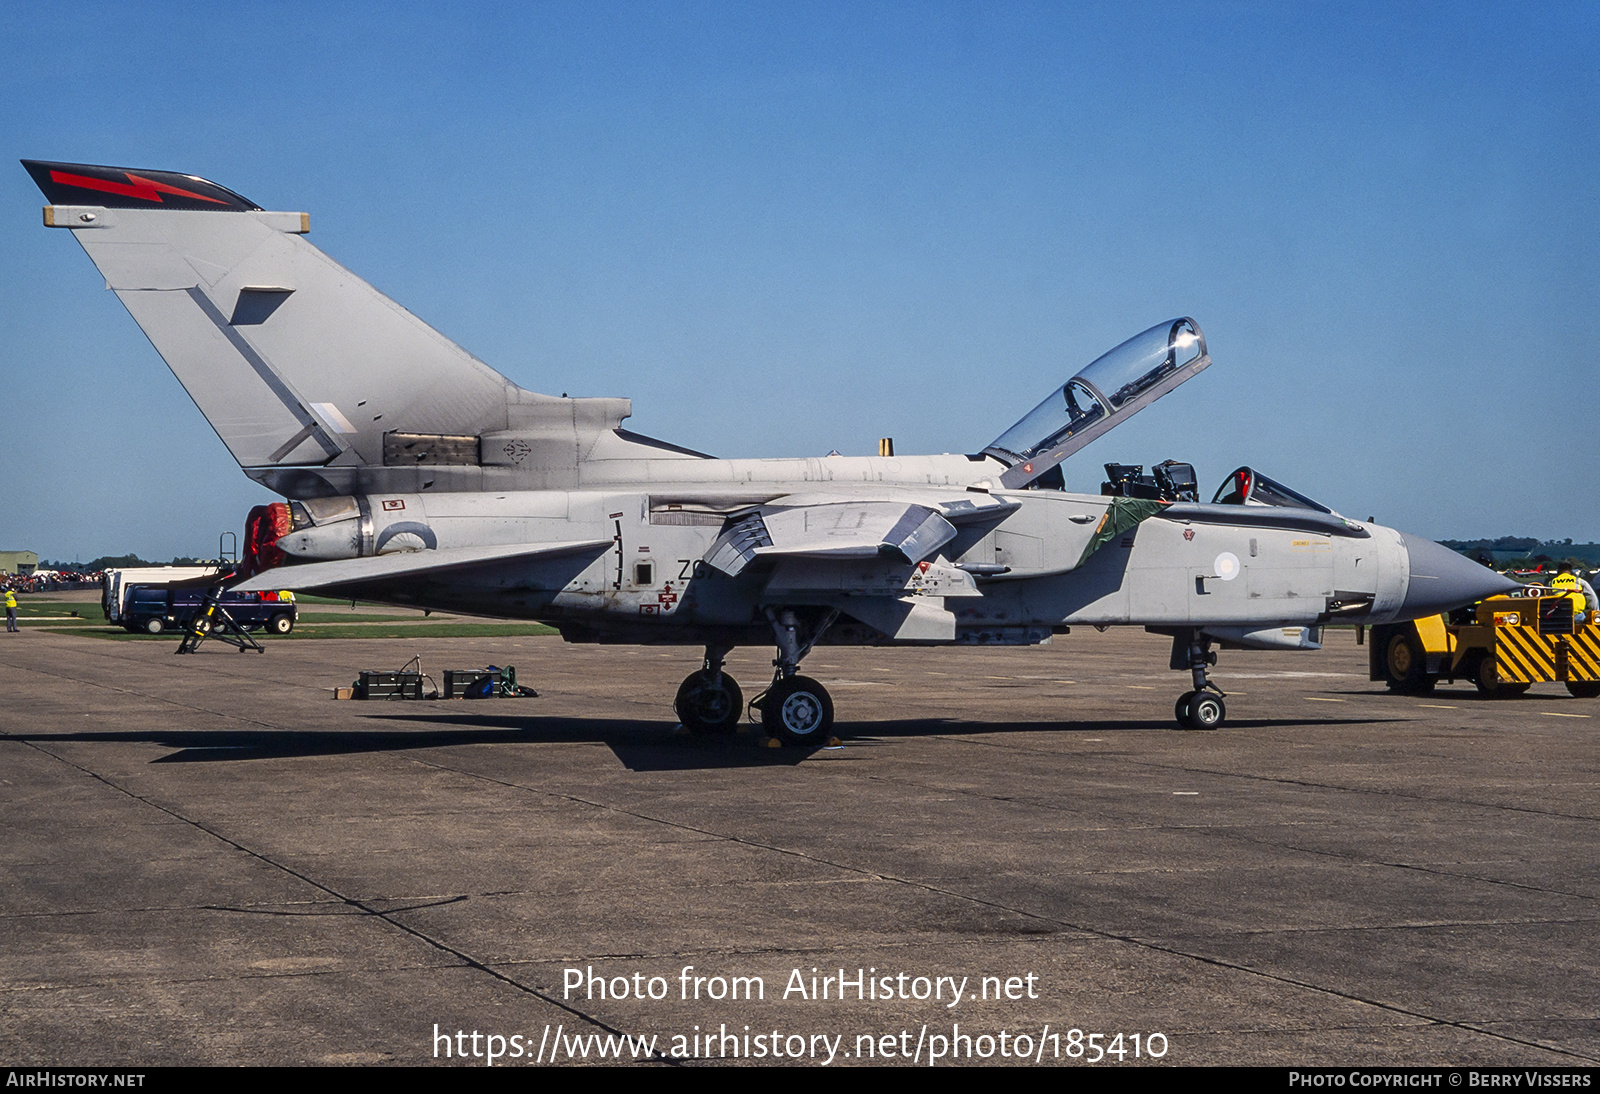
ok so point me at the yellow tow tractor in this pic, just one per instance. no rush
(1503, 645)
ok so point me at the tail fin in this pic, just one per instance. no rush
(295, 361)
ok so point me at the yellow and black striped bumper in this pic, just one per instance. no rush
(1523, 655)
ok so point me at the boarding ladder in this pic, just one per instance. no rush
(213, 621)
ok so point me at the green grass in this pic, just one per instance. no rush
(357, 617)
(26, 609)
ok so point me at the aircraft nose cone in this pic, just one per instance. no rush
(1442, 580)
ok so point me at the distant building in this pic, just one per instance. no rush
(18, 562)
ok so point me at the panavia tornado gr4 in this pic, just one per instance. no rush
(416, 474)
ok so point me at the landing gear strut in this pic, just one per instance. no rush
(709, 701)
(1203, 707)
(796, 709)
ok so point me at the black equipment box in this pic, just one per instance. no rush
(460, 683)
(389, 685)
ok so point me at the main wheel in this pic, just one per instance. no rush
(703, 706)
(155, 625)
(1405, 665)
(798, 711)
(280, 624)
(1584, 689)
(1180, 709)
(1206, 711)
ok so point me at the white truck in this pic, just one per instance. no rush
(115, 584)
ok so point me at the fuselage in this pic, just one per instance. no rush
(1030, 568)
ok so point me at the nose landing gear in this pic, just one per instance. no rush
(1203, 707)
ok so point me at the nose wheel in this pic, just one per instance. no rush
(1200, 710)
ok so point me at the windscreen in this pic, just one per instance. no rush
(1247, 486)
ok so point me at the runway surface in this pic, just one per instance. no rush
(208, 860)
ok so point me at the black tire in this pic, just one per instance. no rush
(1486, 678)
(798, 711)
(280, 624)
(704, 707)
(1180, 709)
(154, 625)
(1405, 665)
(1584, 689)
(1207, 711)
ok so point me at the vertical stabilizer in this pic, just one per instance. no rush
(295, 361)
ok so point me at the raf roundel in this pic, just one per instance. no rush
(1227, 565)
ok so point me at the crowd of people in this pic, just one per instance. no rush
(49, 581)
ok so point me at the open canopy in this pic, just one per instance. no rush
(1113, 388)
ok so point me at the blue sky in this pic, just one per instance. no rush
(787, 229)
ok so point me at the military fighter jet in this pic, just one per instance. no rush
(416, 474)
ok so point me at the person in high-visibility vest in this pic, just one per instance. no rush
(1580, 591)
(11, 613)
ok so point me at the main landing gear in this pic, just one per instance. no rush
(795, 709)
(710, 701)
(1203, 707)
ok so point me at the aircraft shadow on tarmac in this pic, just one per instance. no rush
(640, 745)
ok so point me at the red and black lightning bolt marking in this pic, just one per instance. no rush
(141, 187)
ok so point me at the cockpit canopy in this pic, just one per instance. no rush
(1113, 388)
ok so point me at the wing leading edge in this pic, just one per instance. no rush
(322, 575)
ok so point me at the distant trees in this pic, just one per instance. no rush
(1517, 552)
(117, 562)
